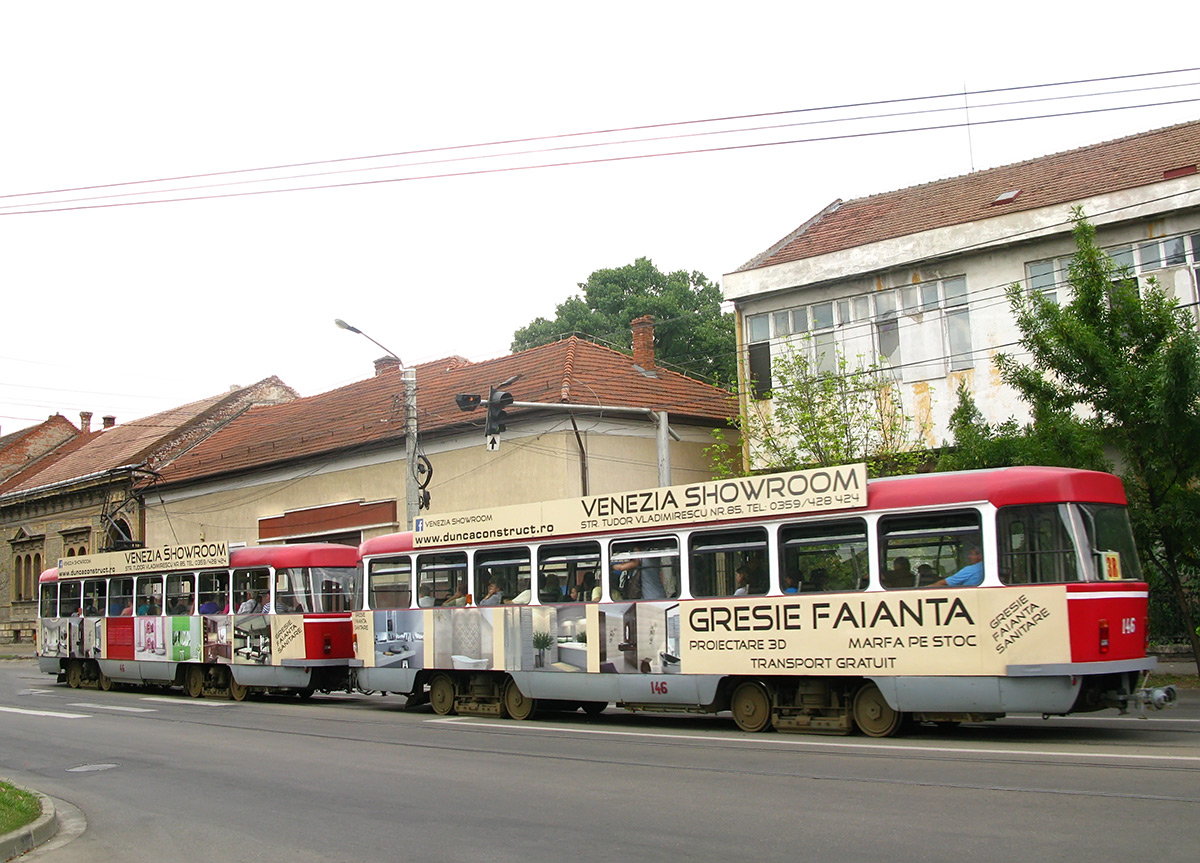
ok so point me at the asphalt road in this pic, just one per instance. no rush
(358, 778)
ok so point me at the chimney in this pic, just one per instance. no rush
(109, 421)
(643, 342)
(85, 421)
(386, 364)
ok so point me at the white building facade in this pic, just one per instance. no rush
(916, 279)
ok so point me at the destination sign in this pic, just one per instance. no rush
(804, 491)
(198, 555)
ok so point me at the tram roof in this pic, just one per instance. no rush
(1005, 486)
(301, 554)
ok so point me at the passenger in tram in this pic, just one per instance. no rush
(212, 605)
(250, 604)
(115, 608)
(495, 596)
(551, 589)
(900, 575)
(89, 607)
(790, 584)
(127, 608)
(183, 604)
(925, 574)
(742, 581)
(424, 600)
(459, 597)
(584, 586)
(970, 575)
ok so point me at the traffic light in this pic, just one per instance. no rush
(497, 401)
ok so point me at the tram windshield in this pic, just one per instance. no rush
(1054, 543)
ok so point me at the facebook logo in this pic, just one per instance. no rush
(419, 525)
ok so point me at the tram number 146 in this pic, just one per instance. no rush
(658, 687)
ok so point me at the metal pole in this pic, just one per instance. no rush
(664, 449)
(411, 504)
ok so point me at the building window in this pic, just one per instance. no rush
(760, 370)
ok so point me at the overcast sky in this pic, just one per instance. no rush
(127, 308)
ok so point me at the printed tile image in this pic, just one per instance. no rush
(570, 650)
(149, 637)
(252, 639)
(635, 638)
(54, 638)
(399, 639)
(75, 636)
(463, 638)
(185, 639)
(93, 637)
(216, 638)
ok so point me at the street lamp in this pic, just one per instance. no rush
(409, 376)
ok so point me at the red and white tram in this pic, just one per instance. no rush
(808, 601)
(212, 621)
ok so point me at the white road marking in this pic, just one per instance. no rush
(823, 744)
(53, 714)
(93, 705)
(189, 702)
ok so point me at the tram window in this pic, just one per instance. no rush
(48, 600)
(728, 563)
(508, 569)
(918, 550)
(293, 593)
(1109, 533)
(251, 590)
(181, 593)
(69, 602)
(94, 597)
(1036, 545)
(336, 591)
(389, 584)
(569, 572)
(445, 576)
(644, 569)
(120, 596)
(214, 593)
(149, 594)
(823, 556)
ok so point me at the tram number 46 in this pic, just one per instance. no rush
(658, 687)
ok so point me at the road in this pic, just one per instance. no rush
(357, 778)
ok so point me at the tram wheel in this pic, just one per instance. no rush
(74, 673)
(305, 693)
(441, 695)
(516, 703)
(594, 708)
(873, 715)
(237, 691)
(103, 682)
(193, 681)
(751, 706)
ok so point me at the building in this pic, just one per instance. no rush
(916, 278)
(76, 491)
(331, 467)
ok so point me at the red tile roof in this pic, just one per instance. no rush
(138, 442)
(371, 412)
(1112, 166)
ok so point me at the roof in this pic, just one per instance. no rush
(1112, 166)
(371, 412)
(143, 442)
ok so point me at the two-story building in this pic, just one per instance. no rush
(915, 279)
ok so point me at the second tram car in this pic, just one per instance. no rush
(209, 620)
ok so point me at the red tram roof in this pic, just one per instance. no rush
(1007, 486)
(50, 574)
(304, 554)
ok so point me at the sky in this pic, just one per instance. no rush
(449, 239)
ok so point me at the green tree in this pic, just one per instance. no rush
(691, 332)
(820, 418)
(1127, 360)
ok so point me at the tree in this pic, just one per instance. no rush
(691, 332)
(820, 418)
(1117, 367)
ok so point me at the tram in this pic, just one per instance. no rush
(810, 601)
(212, 621)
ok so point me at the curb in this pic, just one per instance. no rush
(30, 836)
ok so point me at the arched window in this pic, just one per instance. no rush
(18, 578)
